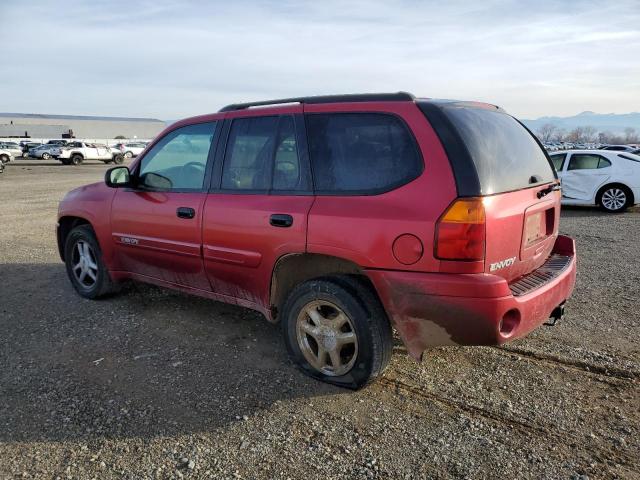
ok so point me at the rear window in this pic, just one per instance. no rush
(361, 153)
(505, 154)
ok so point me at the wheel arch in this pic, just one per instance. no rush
(607, 185)
(65, 225)
(292, 269)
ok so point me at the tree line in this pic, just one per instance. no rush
(551, 133)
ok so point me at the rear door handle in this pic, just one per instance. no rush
(281, 220)
(185, 212)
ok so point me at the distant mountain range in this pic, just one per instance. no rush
(602, 122)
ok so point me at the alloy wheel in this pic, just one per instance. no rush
(614, 199)
(84, 264)
(326, 338)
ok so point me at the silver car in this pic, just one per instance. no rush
(45, 152)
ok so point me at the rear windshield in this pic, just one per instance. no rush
(506, 156)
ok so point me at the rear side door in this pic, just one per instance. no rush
(583, 174)
(258, 205)
(157, 226)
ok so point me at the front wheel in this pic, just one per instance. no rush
(118, 158)
(614, 198)
(76, 159)
(46, 156)
(336, 331)
(85, 268)
(4, 159)
(128, 154)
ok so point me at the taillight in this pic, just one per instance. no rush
(460, 232)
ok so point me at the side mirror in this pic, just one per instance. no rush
(117, 177)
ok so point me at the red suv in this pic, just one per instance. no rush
(340, 217)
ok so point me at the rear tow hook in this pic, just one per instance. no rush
(557, 314)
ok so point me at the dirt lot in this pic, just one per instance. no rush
(156, 384)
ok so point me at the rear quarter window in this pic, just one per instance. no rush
(361, 153)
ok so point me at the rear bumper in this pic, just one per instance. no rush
(434, 309)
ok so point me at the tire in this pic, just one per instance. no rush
(86, 286)
(128, 154)
(76, 159)
(614, 198)
(46, 156)
(4, 159)
(364, 355)
(119, 158)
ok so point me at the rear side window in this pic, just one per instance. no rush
(361, 153)
(262, 155)
(505, 154)
(582, 161)
(247, 162)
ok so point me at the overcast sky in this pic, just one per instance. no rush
(169, 59)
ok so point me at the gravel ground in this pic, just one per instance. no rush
(155, 384)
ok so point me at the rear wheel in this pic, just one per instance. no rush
(128, 154)
(336, 331)
(76, 159)
(118, 158)
(85, 268)
(614, 198)
(4, 159)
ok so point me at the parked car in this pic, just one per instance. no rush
(608, 178)
(340, 217)
(12, 147)
(618, 148)
(77, 152)
(28, 146)
(5, 156)
(45, 151)
(132, 149)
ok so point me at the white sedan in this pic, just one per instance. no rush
(610, 179)
(132, 149)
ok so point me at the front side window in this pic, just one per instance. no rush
(558, 161)
(355, 153)
(586, 161)
(178, 161)
(262, 155)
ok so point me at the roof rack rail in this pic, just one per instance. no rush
(353, 97)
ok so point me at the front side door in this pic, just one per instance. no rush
(258, 207)
(583, 174)
(156, 227)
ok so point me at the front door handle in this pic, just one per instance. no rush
(281, 220)
(185, 212)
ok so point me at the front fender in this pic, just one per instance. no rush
(91, 203)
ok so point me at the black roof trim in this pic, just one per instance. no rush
(464, 170)
(354, 97)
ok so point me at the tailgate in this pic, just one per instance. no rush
(520, 231)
